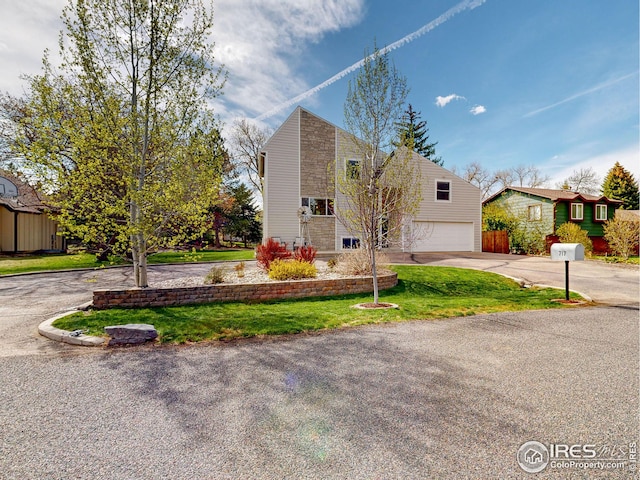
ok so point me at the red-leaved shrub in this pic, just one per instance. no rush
(270, 251)
(306, 253)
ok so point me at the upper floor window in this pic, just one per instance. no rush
(319, 206)
(443, 191)
(577, 211)
(601, 212)
(534, 212)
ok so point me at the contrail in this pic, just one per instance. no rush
(465, 5)
(581, 94)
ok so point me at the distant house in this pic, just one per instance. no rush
(296, 164)
(549, 209)
(24, 225)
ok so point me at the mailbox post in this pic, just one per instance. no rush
(568, 252)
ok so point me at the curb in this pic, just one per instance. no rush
(46, 330)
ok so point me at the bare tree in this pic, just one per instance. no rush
(583, 180)
(521, 176)
(477, 175)
(247, 141)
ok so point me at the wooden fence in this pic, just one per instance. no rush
(495, 242)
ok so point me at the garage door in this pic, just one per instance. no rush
(443, 237)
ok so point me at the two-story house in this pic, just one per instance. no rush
(298, 166)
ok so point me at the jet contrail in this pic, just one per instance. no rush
(465, 5)
(581, 94)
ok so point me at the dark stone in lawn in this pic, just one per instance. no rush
(133, 333)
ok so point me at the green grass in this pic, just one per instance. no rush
(422, 293)
(633, 259)
(40, 263)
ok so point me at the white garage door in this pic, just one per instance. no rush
(443, 237)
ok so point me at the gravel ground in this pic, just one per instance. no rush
(435, 399)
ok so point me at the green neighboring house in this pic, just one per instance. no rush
(546, 209)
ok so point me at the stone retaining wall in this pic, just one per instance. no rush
(163, 297)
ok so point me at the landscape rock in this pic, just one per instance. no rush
(131, 334)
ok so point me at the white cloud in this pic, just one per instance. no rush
(443, 101)
(262, 56)
(478, 109)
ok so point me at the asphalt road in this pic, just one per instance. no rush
(452, 398)
(436, 399)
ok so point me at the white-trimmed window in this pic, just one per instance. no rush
(443, 191)
(534, 212)
(349, 243)
(577, 211)
(318, 206)
(601, 213)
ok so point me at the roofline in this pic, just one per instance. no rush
(553, 199)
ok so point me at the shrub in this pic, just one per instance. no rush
(332, 263)
(622, 236)
(239, 268)
(572, 233)
(305, 254)
(291, 270)
(215, 275)
(357, 262)
(269, 251)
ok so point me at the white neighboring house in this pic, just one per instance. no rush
(297, 165)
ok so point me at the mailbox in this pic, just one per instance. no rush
(568, 252)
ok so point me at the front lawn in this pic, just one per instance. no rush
(40, 263)
(422, 293)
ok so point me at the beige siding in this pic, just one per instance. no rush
(282, 184)
(37, 232)
(6, 230)
(465, 205)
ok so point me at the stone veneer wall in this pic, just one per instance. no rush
(317, 152)
(163, 297)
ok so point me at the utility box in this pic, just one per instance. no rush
(568, 252)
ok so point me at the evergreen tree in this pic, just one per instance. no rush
(619, 184)
(242, 218)
(413, 133)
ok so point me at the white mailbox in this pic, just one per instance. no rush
(568, 252)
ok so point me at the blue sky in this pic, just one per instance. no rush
(500, 82)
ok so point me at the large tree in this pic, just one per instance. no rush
(242, 218)
(123, 134)
(379, 187)
(247, 140)
(583, 180)
(413, 134)
(620, 184)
